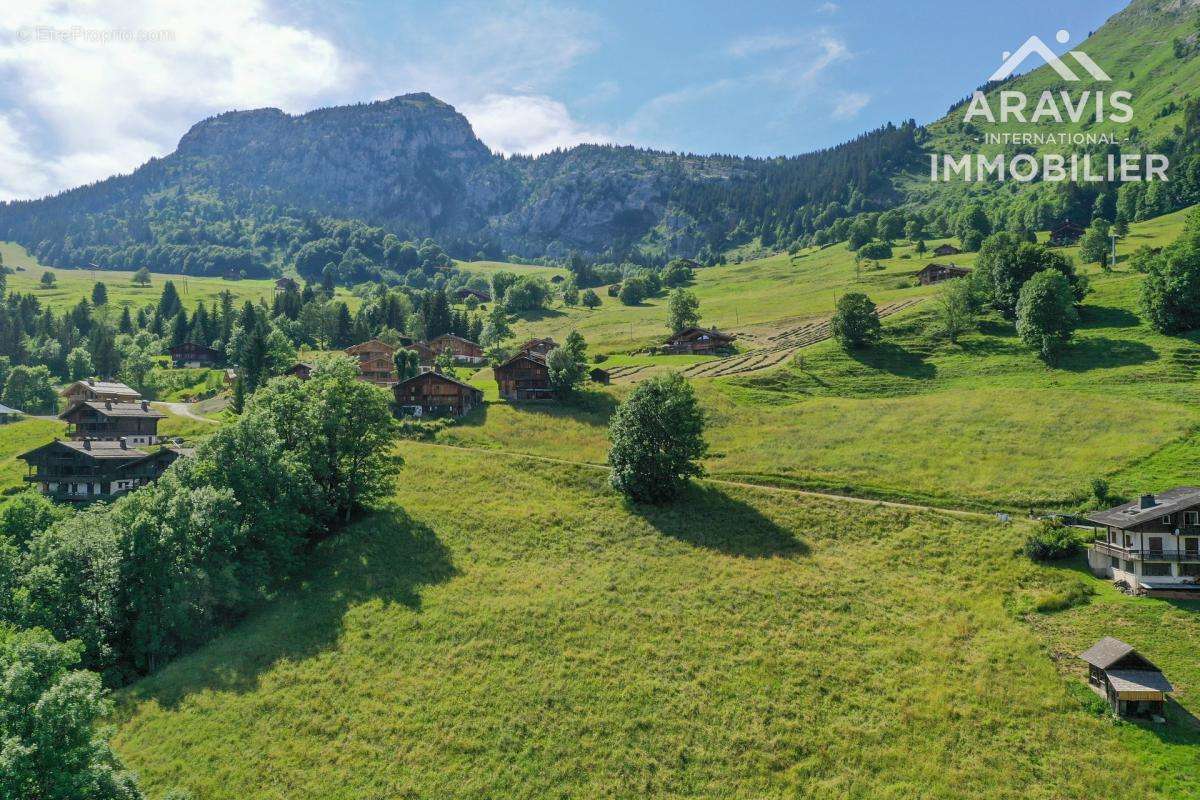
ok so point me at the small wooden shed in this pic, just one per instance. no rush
(1131, 684)
(599, 375)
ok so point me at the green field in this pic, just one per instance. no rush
(74, 284)
(527, 634)
(20, 437)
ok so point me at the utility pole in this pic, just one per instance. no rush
(1113, 236)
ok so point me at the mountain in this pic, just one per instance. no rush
(245, 191)
(413, 166)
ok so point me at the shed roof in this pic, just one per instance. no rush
(1106, 652)
(6, 410)
(1139, 680)
(1129, 514)
(94, 449)
(536, 358)
(436, 376)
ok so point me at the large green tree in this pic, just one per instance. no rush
(683, 310)
(1046, 315)
(1170, 295)
(657, 440)
(855, 321)
(51, 745)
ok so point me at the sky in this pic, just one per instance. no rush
(92, 88)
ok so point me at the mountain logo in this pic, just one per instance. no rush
(1035, 45)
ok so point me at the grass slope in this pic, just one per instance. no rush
(20, 437)
(528, 635)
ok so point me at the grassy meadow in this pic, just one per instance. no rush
(982, 423)
(20, 437)
(71, 285)
(528, 634)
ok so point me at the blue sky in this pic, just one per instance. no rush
(90, 88)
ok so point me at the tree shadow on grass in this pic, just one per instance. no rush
(590, 406)
(539, 314)
(895, 359)
(386, 557)
(705, 516)
(1107, 317)
(1099, 352)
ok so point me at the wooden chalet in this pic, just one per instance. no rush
(190, 354)
(1132, 685)
(301, 370)
(8, 415)
(286, 284)
(437, 395)
(936, 273)
(524, 377)
(462, 294)
(947, 249)
(464, 350)
(599, 375)
(1152, 545)
(1066, 233)
(91, 389)
(86, 470)
(136, 423)
(376, 362)
(538, 346)
(698, 341)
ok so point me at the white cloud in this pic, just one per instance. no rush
(528, 124)
(849, 104)
(95, 88)
(745, 46)
(828, 8)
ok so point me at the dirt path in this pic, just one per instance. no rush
(956, 512)
(185, 410)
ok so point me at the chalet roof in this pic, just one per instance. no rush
(536, 358)
(455, 337)
(693, 333)
(466, 290)
(286, 281)
(192, 347)
(946, 267)
(1106, 652)
(103, 387)
(536, 342)
(111, 409)
(370, 346)
(6, 410)
(1157, 505)
(946, 247)
(437, 376)
(97, 450)
(1139, 680)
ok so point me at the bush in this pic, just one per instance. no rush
(1100, 489)
(856, 322)
(1051, 541)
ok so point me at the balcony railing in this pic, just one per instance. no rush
(1146, 554)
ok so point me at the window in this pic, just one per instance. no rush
(1190, 570)
(1128, 541)
(1191, 518)
(1166, 520)
(1115, 562)
(1155, 544)
(1156, 569)
(1191, 546)
(1127, 566)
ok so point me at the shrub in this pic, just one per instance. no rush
(1051, 541)
(856, 322)
(1100, 489)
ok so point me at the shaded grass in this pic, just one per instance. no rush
(19, 437)
(528, 635)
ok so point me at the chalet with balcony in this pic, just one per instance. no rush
(432, 394)
(376, 362)
(936, 273)
(87, 470)
(135, 423)
(195, 356)
(698, 341)
(286, 284)
(464, 350)
(90, 389)
(1152, 545)
(462, 294)
(1132, 686)
(524, 377)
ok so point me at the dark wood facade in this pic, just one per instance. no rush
(1066, 233)
(599, 375)
(437, 395)
(936, 273)
(946, 250)
(136, 423)
(190, 354)
(83, 471)
(524, 377)
(541, 347)
(300, 370)
(698, 341)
